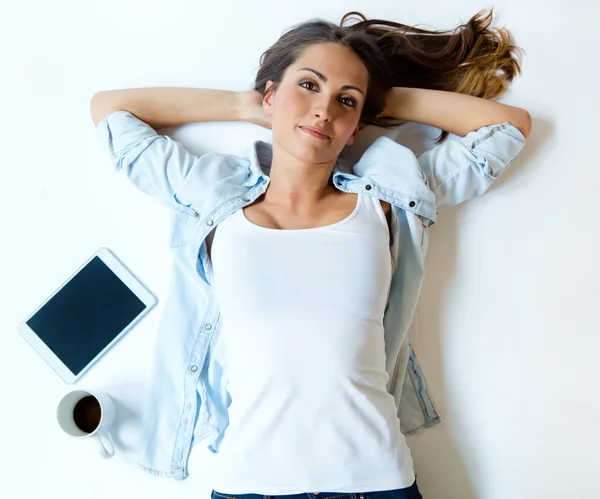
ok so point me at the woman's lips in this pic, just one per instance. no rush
(314, 133)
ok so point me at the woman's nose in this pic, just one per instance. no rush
(323, 109)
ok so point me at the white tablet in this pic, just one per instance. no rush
(87, 315)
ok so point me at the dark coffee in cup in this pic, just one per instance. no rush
(87, 414)
(84, 414)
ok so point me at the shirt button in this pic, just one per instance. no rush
(194, 369)
(208, 326)
(368, 187)
(210, 222)
(196, 214)
(412, 204)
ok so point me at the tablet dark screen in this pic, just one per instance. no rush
(86, 315)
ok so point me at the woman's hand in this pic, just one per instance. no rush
(252, 108)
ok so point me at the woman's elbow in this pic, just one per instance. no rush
(102, 104)
(523, 123)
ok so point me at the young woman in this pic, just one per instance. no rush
(295, 275)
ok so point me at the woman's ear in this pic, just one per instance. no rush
(267, 100)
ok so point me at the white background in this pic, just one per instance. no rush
(506, 330)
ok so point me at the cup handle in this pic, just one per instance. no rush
(104, 445)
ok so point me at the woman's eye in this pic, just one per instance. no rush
(309, 82)
(349, 101)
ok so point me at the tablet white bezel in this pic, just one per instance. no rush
(126, 277)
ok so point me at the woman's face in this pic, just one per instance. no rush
(325, 88)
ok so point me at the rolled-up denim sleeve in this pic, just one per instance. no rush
(464, 167)
(156, 164)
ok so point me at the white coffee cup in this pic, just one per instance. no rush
(85, 414)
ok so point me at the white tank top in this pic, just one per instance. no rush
(303, 338)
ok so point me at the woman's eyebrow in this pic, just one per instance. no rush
(324, 78)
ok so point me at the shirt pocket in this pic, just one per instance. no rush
(184, 223)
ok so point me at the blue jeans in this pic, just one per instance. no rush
(411, 492)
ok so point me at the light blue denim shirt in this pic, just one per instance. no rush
(188, 399)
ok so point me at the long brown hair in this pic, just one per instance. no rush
(474, 58)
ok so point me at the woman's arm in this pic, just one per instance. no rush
(451, 111)
(162, 107)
